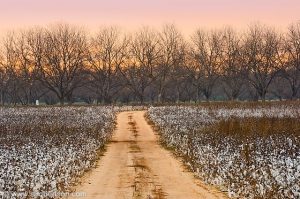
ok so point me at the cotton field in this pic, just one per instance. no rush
(249, 152)
(44, 150)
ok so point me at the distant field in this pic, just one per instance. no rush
(250, 150)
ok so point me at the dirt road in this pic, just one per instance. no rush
(136, 166)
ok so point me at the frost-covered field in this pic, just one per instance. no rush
(43, 150)
(251, 152)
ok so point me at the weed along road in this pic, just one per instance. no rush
(136, 166)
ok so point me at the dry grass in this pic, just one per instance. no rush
(236, 104)
(247, 127)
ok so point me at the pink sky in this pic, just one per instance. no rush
(131, 14)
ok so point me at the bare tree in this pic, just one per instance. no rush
(10, 65)
(279, 86)
(291, 59)
(2, 79)
(232, 67)
(26, 73)
(141, 70)
(108, 52)
(171, 42)
(61, 63)
(261, 48)
(179, 73)
(36, 46)
(60, 55)
(206, 53)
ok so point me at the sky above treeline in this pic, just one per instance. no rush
(187, 15)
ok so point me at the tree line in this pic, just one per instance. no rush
(64, 64)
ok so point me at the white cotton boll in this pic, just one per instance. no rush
(37, 186)
(53, 184)
(298, 167)
(38, 159)
(231, 193)
(173, 120)
(290, 142)
(289, 162)
(275, 172)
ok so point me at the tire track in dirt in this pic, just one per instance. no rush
(145, 185)
(136, 166)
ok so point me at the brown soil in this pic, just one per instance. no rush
(136, 166)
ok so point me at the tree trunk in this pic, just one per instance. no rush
(159, 97)
(294, 92)
(263, 96)
(62, 101)
(141, 98)
(207, 95)
(2, 98)
(198, 94)
(177, 96)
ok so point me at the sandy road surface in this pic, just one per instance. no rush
(136, 166)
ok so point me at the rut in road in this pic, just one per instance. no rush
(136, 166)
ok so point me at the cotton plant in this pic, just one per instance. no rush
(45, 150)
(251, 167)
